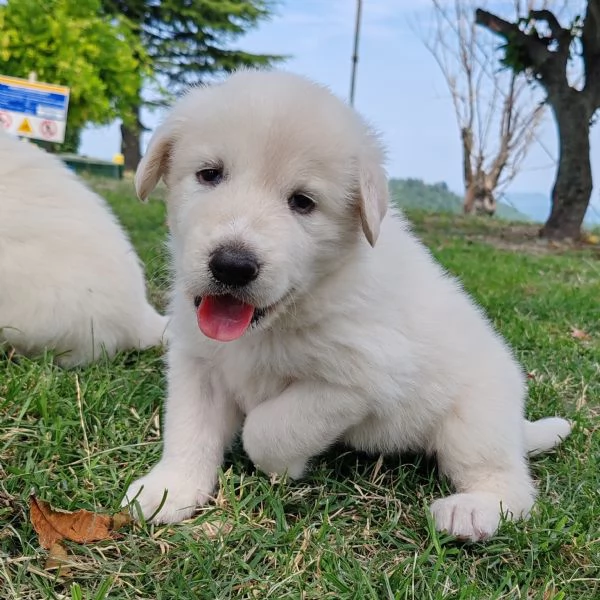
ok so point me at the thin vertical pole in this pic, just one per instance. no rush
(355, 52)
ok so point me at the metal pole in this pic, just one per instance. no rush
(355, 52)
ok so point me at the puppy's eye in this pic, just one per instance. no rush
(301, 203)
(210, 176)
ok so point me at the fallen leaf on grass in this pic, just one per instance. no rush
(58, 558)
(81, 526)
(579, 334)
(216, 529)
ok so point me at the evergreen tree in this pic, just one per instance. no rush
(188, 41)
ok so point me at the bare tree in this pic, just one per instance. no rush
(496, 113)
(564, 60)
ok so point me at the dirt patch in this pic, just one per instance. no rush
(525, 238)
(511, 237)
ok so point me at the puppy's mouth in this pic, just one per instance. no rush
(226, 318)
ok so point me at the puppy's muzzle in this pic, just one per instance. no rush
(234, 266)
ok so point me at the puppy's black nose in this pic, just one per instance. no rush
(232, 266)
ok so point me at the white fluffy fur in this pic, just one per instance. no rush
(376, 347)
(70, 280)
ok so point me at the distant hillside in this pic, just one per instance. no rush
(437, 197)
(537, 206)
(534, 204)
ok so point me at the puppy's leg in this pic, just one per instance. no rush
(282, 434)
(544, 434)
(481, 448)
(199, 425)
(153, 329)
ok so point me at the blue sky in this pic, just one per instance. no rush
(399, 86)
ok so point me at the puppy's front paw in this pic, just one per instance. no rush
(183, 495)
(474, 516)
(272, 466)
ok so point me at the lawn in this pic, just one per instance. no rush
(355, 528)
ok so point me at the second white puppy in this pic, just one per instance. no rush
(70, 280)
(287, 323)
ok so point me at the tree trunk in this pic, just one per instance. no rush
(469, 200)
(130, 142)
(479, 196)
(466, 134)
(573, 186)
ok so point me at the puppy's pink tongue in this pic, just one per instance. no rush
(224, 318)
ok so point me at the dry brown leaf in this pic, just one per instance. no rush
(58, 558)
(120, 520)
(216, 529)
(81, 526)
(579, 334)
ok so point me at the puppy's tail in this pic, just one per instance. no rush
(545, 434)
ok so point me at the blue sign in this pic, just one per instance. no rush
(33, 109)
(34, 102)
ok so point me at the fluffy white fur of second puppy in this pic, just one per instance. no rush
(374, 346)
(70, 280)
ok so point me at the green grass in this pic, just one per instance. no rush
(355, 528)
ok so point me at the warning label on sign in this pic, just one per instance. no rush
(48, 129)
(5, 120)
(25, 127)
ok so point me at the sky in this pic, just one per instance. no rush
(399, 87)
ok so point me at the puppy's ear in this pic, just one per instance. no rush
(373, 191)
(155, 162)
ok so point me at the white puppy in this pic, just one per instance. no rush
(70, 280)
(287, 323)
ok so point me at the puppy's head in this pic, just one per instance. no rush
(273, 182)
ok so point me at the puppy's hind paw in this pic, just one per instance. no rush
(471, 516)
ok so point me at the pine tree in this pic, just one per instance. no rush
(188, 41)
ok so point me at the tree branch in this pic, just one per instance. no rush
(558, 32)
(506, 135)
(535, 47)
(550, 67)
